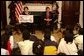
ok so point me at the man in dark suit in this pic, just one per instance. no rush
(47, 19)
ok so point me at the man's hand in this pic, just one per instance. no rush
(47, 19)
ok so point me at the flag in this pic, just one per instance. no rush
(18, 10)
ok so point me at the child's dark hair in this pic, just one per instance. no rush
(77, 27)
(26, 35)
(3, 41)
(68, 38)
(61, 54)
(46, 37)
(47, 31)
(80, 52)
(81, 31)
(5, 37)
(16, 51)
(38, 47)
(8, 30)
(69, 29)
(16, 28)
(47, 34)
(33, 38)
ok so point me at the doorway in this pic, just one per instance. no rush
(3, 14)
(70, 12)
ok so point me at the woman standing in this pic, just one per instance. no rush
(28, 26)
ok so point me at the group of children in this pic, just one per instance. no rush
(70, 44)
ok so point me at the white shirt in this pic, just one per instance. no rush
(68, 49)
(4, 52)
(26, 47)
(79, 41)
(53, 39)
(11, 39)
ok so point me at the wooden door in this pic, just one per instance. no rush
(70, 12)
(3, 14)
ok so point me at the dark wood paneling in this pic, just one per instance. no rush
(70, 12)
(3, 13)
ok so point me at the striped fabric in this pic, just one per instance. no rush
(18, 10)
